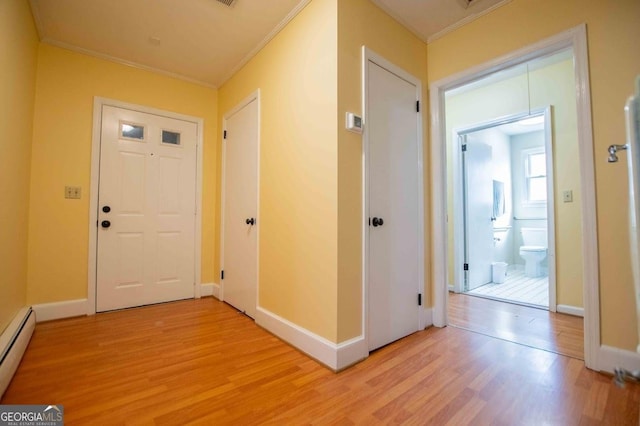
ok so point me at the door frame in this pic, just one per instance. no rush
(369, 55)
(98, 103)
(575, 38)
(254, 96)
(458, 223)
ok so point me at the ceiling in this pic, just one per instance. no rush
(206, 41)
(431, 19)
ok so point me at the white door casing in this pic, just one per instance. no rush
(393, 185)
(576, 38)
(146, 209)
(478, 209)
(240, 221)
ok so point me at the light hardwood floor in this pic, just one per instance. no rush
(539, 328)
(200, 362)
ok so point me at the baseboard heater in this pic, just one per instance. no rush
(13, 343)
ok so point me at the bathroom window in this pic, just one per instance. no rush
(535, 169)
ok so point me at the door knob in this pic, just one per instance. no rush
(106, 224)
(377, 221)
(251, 221)
(106, 209)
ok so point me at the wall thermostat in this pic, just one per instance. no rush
(354, 123)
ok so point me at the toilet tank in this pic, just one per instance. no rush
(534, 236)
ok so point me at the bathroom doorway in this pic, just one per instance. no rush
(552, 72)
(503, 210)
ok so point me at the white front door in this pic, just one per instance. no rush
(240, 211)
(478, 212)
(393, 196)
(146, 216)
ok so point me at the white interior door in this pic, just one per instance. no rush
(393, 197)
(240, 212)
(478, 210)
(147, 202)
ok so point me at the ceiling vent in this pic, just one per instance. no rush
(464, 3)
(230, 3)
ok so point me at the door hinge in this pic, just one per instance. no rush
(417, 106)
(419, 299)
(466, 267)
(224, 134)
(222, 275)
(464, 147)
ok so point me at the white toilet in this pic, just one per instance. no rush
(534, 250)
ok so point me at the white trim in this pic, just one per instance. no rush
(570, 310)
(59, 310)
(274, 32)
(215, 291)
(426, 319)
(575, 38)
(611, 358)
(98, 104)
(254, 96)
(290, 16)
(369, 55)
(591, 263)
(551, 207)
(465, 21)
(207, 289)
(431, 38)
(458, 219)
(335, 356)
(37, 19)
(125, 62)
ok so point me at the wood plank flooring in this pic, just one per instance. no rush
(200, 362)
(539, 328)
(517, 288)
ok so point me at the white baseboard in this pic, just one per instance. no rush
(216, 291)
(570, 310)
(210, 289)
(336, 356)
(427, 317)
(611, 358)
(58, 310)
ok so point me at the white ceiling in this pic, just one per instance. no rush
(203, 40)
(430, 19)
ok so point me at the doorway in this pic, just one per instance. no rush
(583, 273)
(146, 202)
(504, 230)
(393, 234)
(240, 221)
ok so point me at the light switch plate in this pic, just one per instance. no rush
(73, 192)
(567, 196)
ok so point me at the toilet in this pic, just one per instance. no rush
(534, 250)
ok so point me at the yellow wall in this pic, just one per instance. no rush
(360, 23)
(296, 74)
(61, 155)
(613, 32)
(550, 85)
(19, 47)
(310, 166)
